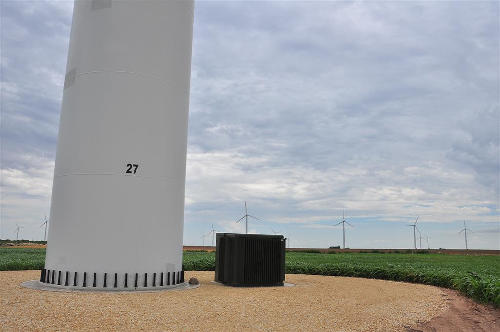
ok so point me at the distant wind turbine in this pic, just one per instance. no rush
(45, 222)
(18, 228)
(213, 231)
(420, 237)
(203, 240)
(203, 237)
(343, 222)
(414, 225)
(428, 246)
(246, 218)
(465, 229)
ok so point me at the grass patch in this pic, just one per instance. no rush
(475, 276)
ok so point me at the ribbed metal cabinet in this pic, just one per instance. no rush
(250, 259)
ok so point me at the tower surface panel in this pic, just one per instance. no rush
(117, 205)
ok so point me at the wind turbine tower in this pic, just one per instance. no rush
(343, 222)
(465, 229)
(246, 218)
(212, 232)
(18, 228)
(414, 225)
(120, 167)
(420, 237)
(203, 240)
(45, 222)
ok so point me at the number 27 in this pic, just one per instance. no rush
(132, 168)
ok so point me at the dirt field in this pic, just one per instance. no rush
(463, 315)
(315, 302)
(23, 245)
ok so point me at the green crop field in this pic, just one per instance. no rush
(475, 276)
(21, 259)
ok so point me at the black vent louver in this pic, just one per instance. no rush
(250, 259)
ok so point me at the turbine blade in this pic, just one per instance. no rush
(254, 217)
(240, 219)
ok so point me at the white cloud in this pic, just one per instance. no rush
(386, 109)
(34, 181)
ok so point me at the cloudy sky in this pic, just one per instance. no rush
(386, 109)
